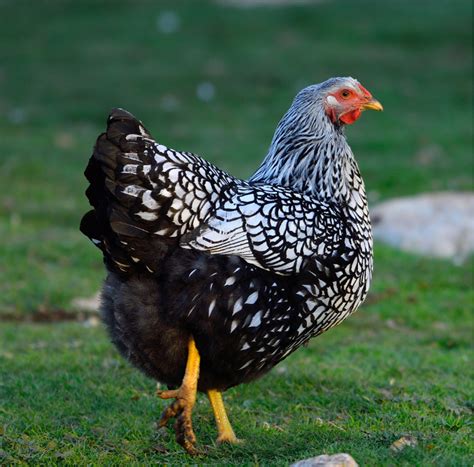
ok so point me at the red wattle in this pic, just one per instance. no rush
(350, 117)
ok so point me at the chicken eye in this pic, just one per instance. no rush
(345, 93)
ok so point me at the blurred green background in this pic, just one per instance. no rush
(214, 79)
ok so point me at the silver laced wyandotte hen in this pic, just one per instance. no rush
(213, 280)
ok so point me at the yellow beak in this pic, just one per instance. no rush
(373, 104)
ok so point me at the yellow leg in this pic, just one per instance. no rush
(226, 433)
(185, 398)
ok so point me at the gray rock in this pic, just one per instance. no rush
(89, 304)
(435, 224)
(336, 460)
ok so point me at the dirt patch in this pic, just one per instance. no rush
(44, 316)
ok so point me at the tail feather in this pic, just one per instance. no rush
(109, 224)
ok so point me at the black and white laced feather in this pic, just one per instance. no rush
(252, 268)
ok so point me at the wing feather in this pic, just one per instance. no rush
(272, 227)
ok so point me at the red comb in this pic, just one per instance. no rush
(366, 93)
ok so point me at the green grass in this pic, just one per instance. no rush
(400, 366)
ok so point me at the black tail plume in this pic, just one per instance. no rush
(108, 224)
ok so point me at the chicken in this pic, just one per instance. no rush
(213, 280)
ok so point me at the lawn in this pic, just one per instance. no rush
(400, 367)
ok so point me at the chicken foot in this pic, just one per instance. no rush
(226, 433)
(185, 398)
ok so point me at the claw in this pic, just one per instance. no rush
(170, 412)
(181, 408)
(181, 411)
(184, 432)
(170, 394)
